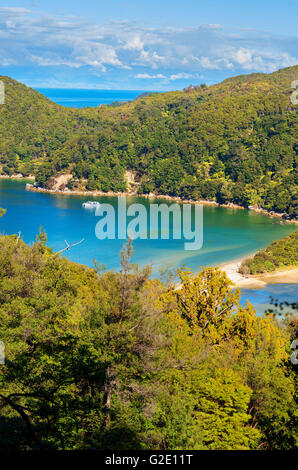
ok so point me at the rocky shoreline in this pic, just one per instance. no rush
(19, 176)
(68, 192)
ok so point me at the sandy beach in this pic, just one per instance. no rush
(286, 276)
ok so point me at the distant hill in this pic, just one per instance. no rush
(231, 142)
(114, 104)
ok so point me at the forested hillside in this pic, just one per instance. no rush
(118, 361)
(231, 142)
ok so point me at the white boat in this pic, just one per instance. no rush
(90, 204)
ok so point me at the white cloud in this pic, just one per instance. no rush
(97, 55)
(211, 26)
(147, 76)
(151, 59)
(52, 61)
(206, 63)
(14, 11)
(152, 53)
(180, 76)
(134, 44)
(254, 59)
(243, 57)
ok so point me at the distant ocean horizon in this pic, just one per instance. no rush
(81, 98)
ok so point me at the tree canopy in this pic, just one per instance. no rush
(280, 254)
(231, 142)
(105, 360)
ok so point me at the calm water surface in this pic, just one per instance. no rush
(228, 234)
(81, 98)
(261, 298)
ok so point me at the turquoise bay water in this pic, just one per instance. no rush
(81, 98)
(228, 234)
(261, 298)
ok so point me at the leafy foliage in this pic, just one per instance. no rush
(279, 254)
(119, 361)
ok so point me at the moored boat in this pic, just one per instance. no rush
(90, 204)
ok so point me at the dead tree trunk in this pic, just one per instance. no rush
(108, 387)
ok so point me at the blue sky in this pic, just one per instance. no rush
(137, 44)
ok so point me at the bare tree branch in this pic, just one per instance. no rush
(19, 236)
(20, 410)
(68, 246)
